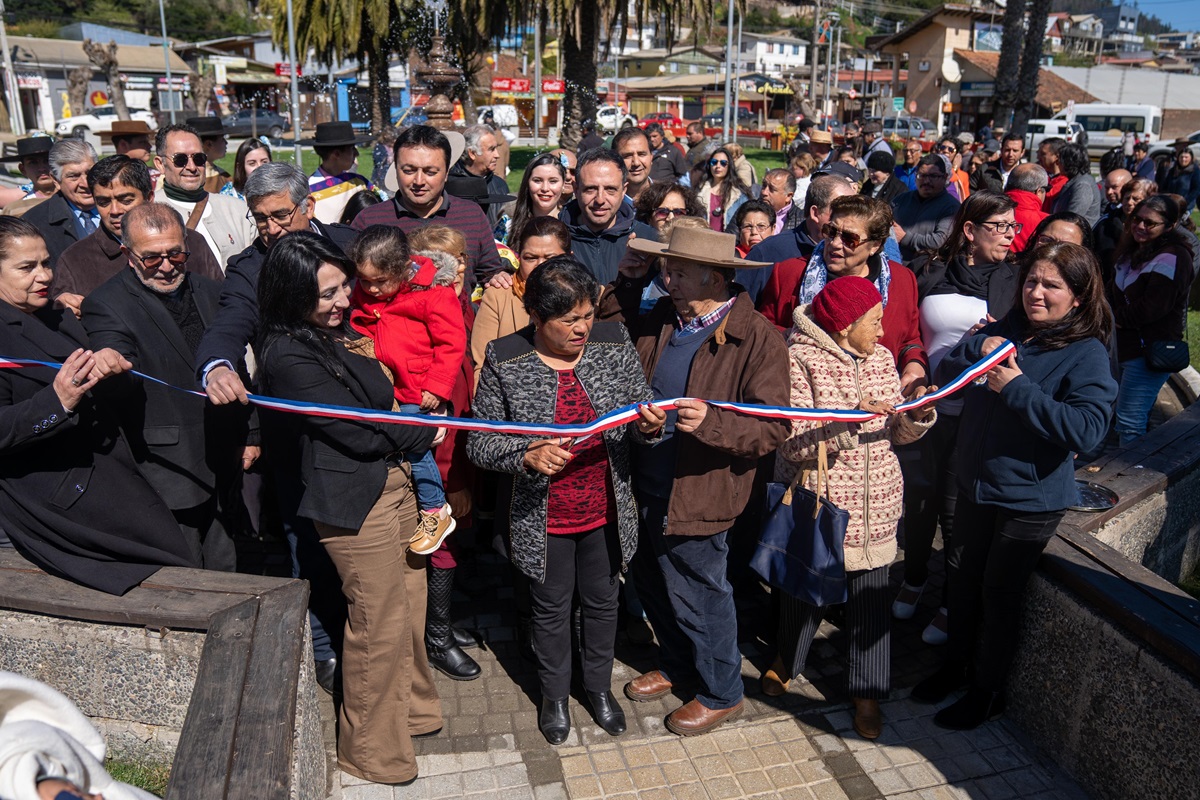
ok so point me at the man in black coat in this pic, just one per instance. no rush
(153, 314)
(279, 202)
(69, 215)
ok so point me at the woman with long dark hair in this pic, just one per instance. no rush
(251, 154)
(966, 281)
(1016, 469)
(360, 497)
(662, 202)
(540, 193)
(722, 191)
(1153, 272)
(1183, 179)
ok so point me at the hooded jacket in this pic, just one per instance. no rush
(864, 473)
(602, 252)
(1029, 213)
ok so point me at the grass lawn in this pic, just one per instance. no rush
(1193, 337)
(151, 777)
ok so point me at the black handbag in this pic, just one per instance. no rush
(801, 546)
(1167, 356)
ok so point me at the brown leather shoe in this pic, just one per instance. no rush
(868, 719)
(694, 718)
(649, 686)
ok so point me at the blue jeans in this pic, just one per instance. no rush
(689, 603)
(426, 478)
(1136, 396)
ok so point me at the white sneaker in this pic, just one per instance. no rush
(906, 601)
(938, 631)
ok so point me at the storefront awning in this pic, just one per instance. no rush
(256, 78)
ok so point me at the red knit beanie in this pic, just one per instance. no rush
(842, 301)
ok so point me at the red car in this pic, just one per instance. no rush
(664, 118)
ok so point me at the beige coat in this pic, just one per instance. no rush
(500, 313)
(864, 474)
(224, 224)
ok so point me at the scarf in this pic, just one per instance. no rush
(962, 278)
(183, 195)
(518, 287)
(816, 275)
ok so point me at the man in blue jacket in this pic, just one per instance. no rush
(600, 220)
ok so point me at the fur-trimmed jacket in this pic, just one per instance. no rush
(864, 474)
(515, 384)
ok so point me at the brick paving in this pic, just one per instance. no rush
(798, 746)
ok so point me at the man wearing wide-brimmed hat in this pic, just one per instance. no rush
(703, 341)
(33, 161)
(132, 138)
(335, 181)
(212, 139)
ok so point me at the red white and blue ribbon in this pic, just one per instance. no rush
(612, 419)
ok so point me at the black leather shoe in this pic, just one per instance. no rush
(327, 674)
(449, 659)
(607, 712)
(464, 638)
(937, 687)
(554, 722)
(975, 707)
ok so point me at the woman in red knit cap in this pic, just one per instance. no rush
(836, 363)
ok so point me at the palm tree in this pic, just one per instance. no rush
(1009, 66)
(1031, 63)
(368, 31)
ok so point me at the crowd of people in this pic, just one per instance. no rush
(624, 274)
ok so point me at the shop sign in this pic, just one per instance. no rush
(284, 69)
(513, 85)
(554, 85)
(977, 89)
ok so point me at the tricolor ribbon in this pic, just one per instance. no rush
(612, 419)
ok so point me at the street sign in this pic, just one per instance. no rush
(897, 104)
(852, 94)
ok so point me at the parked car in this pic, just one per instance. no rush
(254, 121)
(1038, 130)
(1168, 149)
(664, 118)
(745, 118)
(906, 126)
(612, 119)
(99, 119)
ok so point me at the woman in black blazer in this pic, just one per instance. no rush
(359, 495)
(67, 477)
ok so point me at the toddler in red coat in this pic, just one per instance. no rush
(414, 318)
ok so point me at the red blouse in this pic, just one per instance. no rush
(581, 496)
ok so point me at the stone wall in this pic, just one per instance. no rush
(134, 683)
(1112, 712)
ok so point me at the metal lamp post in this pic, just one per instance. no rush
(295, 69)
(11, 86)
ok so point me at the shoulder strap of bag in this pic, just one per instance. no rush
(822, 476)
(197, 211)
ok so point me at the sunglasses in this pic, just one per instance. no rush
(718, 162)
(850, 240)
(1148, 224)
(180, 160)
(155, 260)
(664, 213)
(945, 148)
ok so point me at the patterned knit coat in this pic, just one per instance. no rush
(864, 474)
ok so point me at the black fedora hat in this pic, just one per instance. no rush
(335, 134)
(206, 127)
(30, 146)
(469, 187)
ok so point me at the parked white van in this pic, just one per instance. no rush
(1038, 130)
(1106, 123)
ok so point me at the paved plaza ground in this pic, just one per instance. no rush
(799, 746)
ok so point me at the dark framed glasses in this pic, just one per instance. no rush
(665, 213)
(850, 240)
(281, 218)
(1001, 227)
(180, 160)
(153, 261)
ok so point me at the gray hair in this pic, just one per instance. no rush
(274, 178)
(65, 152)
(153, 217)
(786, 174)
(473, 134)
(1027, 178)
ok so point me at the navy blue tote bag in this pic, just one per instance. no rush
(801, 546)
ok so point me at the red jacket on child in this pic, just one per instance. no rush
(418, 332)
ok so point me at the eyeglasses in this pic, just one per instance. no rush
(153, 261)
(664, 213)
(947, 148)
(1001, 227)
(180, 160)
(718, 162)
(850, 240)
(1148, 224)
(280, 217)
(761, 227)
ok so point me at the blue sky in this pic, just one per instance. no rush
(1183, 15)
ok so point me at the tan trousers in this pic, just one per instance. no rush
(387, 686)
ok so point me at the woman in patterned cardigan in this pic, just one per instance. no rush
(836, 363)
(572, 519)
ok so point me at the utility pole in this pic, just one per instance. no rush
(162, 18)
(291, 24)
(728, 73)
(537, 78)
(11, 87)
(816, 48)
(737, 87)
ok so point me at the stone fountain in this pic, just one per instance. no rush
(440, 76)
